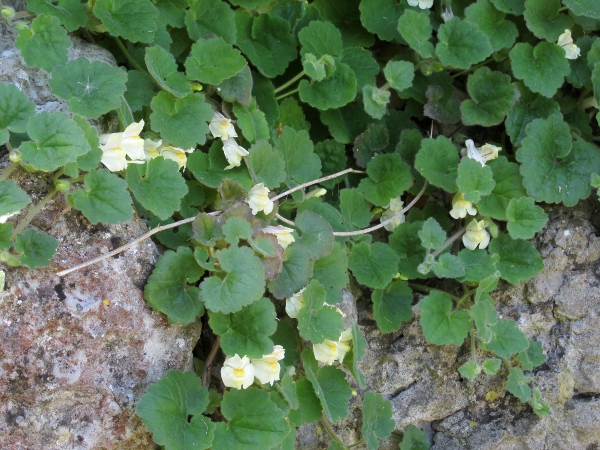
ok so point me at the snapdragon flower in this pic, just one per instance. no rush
(423, 4)
(237, 372)
(283, 234)
(566, 41)
(328, 351)
(294, 304)
(481, 154)
(117, 146)
(476, 235)
(233, 153)
(461, 207)
(221, 127)
(258, 199)
(394, 208)
(266, 369)
(175, 154)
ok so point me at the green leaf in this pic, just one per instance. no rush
(518, 384)
(310, 406)
(392, 306)
(170, 288)
(210, 169)
(507, 339)
(362, 63)
(469, 370)
(253, 421)
(301, 164)
(104, 199)
(399, 74)
(519, 260)
(157, 185)
(15, 108)
(292, 115)
(207, 230)
(330, 386)
(163, 68)
(320, 38)
(166, 407)
(6, 241)
(509, 185)
(375, 101)
(140, 90)
(388, 178)
(485, 318)
(525, 218)
(266, 165)
(183, 121)
(262, 37)
(287, 388)
(134, 20)
(501, 33)
(431, 234)
(552, 169)
(316, 234)
(238, 88)
(491, 365)
(35, 249)
(448, 266)
(381, 17)
(295, 274)
(237, 228)
(45, 44)
(377, 419)
(92, 88)
(12, 198)
(515, 7)
(243, 284)
(208, 17)
(373, 265)
(415, 28)
(317, 322)
(249, 4)
(287, 336)
(57, 140)
(542, 69)
(529, 107)
(407, 245)
(414, 439)
(437, 161)
(247, 331)
(354, 356)
(478, 264)
(332, 272)
(213, 60)
(543, 19)
(71, 13)
(333, 92)
(533, 356)
(440, 325)
(492, 96)
(474, 180)
(355, 209)
(588, 8)
(462, 44)
(346, 17)
(252, 122)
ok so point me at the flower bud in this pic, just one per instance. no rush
(15, 156)
(7, 12)
(62, 185)
(195, 86)
(20, 25)
(437, 66)
(426, 70)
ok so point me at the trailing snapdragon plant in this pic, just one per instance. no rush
(251, 190)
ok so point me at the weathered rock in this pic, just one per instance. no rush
(76, 353)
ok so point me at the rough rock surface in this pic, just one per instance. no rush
(76, 353)
(559, 307)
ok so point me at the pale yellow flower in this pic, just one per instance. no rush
(328, 351)
(237, 372)
(476, 235)
(480, 154)
(233, 153)
(221, 127)
(129, 141)
(294, 304)
(258, 199)
(175, 154)
(566, 41)
(423, 4)
(461, 207)
(266, 369)
(283, 234)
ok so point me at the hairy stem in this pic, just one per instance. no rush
(33, 212)
(310, 183)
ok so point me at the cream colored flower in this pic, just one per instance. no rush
(480, 154)
(233, 153)
(476, 235)
(175, 154)
(258, 199)
(129, 141)
(423, 4)
(151, 148)
(266, 369)
(237, 372)
(283, 234)
(461, 207)
(114, 159)
(489, 152)
(394, 208)
(566, 41)
(294, 304)
(221, 127)
(328, 351)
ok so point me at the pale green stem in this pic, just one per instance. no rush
(477, 66)
(33, 212)
(331, 432)
(133, 62)
(10, 169)
(289, 83)
(287, 94)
